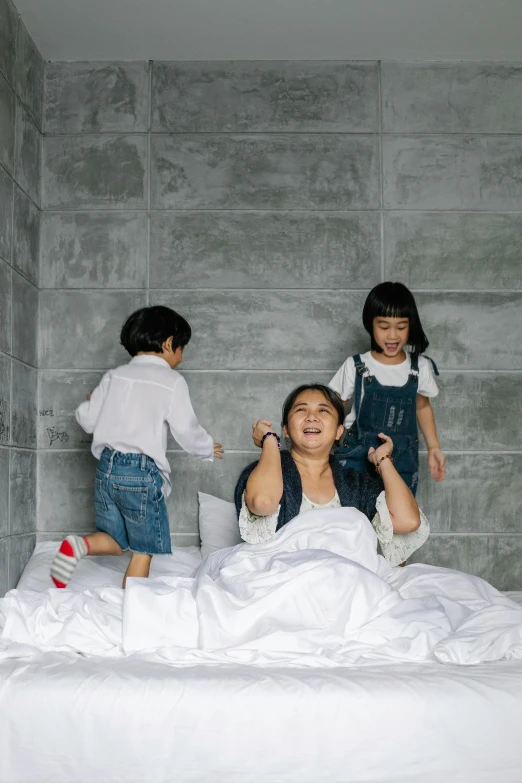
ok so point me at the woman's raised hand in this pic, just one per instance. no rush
(374, 455)
(259, 429)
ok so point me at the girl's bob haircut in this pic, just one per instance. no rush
(394, 300)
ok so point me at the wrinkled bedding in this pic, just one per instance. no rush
(317, 594)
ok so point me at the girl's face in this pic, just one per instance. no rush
(391, 335)
(313, 423)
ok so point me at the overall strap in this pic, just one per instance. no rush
(435, 368)
(360, 368)
(414, 369)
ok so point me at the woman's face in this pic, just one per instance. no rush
(312, 422)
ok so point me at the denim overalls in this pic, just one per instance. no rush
(388, 409)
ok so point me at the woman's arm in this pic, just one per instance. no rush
(403, 508)
(264, 487)
(426, 419)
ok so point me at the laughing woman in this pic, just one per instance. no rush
(283, 484)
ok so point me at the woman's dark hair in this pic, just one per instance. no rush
(394, 300)
(148, 328)
(330, 395)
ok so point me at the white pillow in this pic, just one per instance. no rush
(218, 524)
(102, 571)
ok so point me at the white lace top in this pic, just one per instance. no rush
(396, 547)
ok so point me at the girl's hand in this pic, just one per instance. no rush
(374, 455)
(218, 450)
(259, 429)
(89, 396)
(437, 464)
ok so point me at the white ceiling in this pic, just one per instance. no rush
(275, 29)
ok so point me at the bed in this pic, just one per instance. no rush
(82, 718)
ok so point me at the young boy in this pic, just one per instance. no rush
(129, 414)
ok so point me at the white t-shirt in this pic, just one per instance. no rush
(134, 405)
(343, 381)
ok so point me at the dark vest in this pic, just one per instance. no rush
(358, 490)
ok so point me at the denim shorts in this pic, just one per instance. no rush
(129, 503)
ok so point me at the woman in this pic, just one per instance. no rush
(283, 484)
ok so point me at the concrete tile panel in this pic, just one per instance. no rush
(4, 566)
(5, 399)
(497, 559)
(184, 540)
(7, 125)
(61, 392)
(66, 491)
(452, 172)
(503, 562)
(190, 476)
(286, 330)
(444, 250)
(4, 492)
(6, 213)
(28, 154)
(327, 97)
(92, 172)
(94, 250)
(24, 405)
(29, 74)
(5, 307)
(265, 249)
(322, 171)
(445, 552)
(22, 479)
(480, 494)
(85, 97)
(473, 331)
(479, 412)
(81, 329)
(226, 403)
(20, 550)
(8, 25)
(452, 97)
(26, 236)
(25, 320)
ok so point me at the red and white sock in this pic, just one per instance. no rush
(71, 551)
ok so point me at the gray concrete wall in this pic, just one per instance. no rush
(21, 106)
(263, 201)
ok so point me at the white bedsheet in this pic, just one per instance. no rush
(317, 594)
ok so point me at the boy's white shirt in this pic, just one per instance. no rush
(133, 407)
(343, 381)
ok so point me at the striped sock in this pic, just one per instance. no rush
(71, 551)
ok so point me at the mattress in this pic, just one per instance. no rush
(88, 720)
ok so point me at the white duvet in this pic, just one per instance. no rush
(317, 594)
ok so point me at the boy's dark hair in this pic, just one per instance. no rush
(394, 300)
(330, 395)
(148, 328)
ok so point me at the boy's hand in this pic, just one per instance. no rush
(437, 464)
(259, 430)
(218, 450)
(89, 396)
(374, 455)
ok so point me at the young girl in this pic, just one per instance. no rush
(390, 389)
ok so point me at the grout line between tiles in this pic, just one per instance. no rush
(272, 370)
